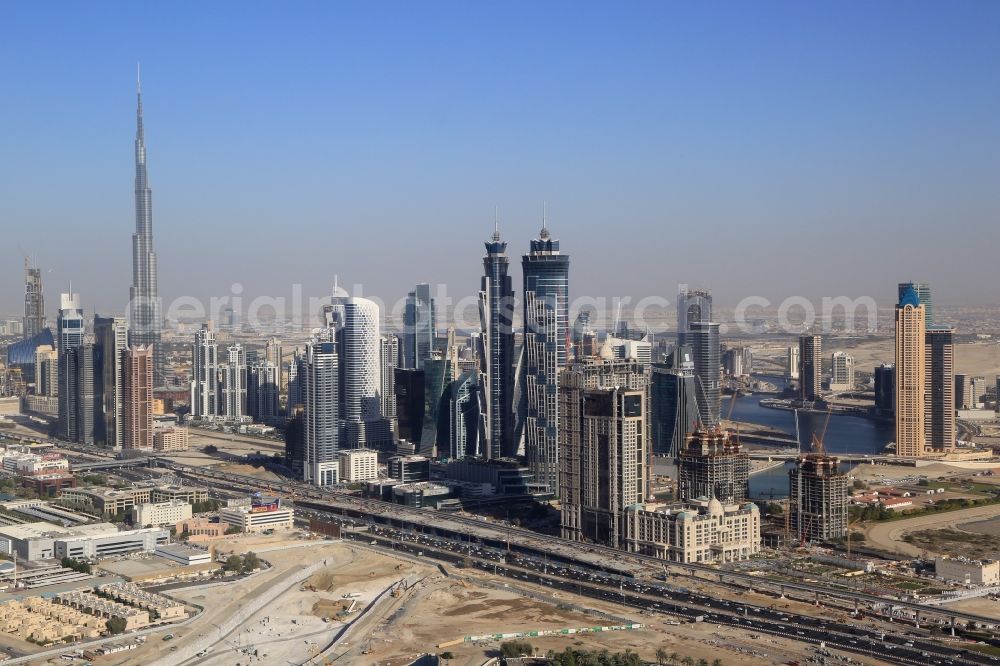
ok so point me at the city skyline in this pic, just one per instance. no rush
(833, 146)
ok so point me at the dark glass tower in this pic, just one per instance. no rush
(496, 351)
(546, 335)
(703, 337)
(145, 319)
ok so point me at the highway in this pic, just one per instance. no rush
(672, 601)
(628, 569)
(529, 542)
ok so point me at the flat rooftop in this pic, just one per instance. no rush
(42, 529)
(180, 550)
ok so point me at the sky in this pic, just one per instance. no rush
(767, 148)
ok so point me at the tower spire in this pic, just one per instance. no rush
(544, 233)
(496, 224)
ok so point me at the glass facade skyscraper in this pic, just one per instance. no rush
(420, 326)
(496, 351)
(145, 318)
(546, 337)
(704, 339)
(693, 305)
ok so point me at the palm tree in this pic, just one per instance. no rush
(661, 656)
(674, 657)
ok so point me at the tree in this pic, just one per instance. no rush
(515, 648)
(115, 625)
(674, 657)
(234, 529)
(233, 563)
(716, 662)
(687, 661)
(210, 449)
(250, 562)
(858, 484)
(447, 656)
(703, 662)
(661, 656)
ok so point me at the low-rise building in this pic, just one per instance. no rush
(185, 555)
(410, 469)
(701, 530)
(108, 544)
(156, 514)
(357, 465)
(896, 503)
(258, 517)
(89, 602)
(201, 529)
(420, 494)
(170, 438)
(129, 593)
(112, 502)
(43, 540)
(967, 572)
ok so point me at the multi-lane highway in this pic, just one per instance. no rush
(673, 602)
(529, 542)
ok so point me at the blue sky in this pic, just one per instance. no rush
(772, 148)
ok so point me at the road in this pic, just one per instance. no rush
(896, 647)
(889, 535)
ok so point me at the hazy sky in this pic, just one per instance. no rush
(757, 148)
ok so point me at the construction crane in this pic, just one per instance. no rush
(817, 442)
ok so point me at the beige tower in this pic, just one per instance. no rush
(139, 397)
(910, 375)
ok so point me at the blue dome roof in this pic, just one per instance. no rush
(909, 297)
(23, 352)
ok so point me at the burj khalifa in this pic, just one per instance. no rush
(145, 318)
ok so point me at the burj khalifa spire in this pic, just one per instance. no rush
(145, 318)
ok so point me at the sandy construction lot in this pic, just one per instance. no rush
(889, 536)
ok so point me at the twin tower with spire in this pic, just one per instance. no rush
(517, 387)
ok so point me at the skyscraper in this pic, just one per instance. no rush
(923, 291)
(841, 371)
(364, 424)
(34, 302)
(712, 464)
(546, 337)
(205, 374)
(138, 392)
(792, 362)
(818, 498)
(145, 318)
(939, 392)
(317, 377)
(111, 337)
(673, 404)
(885, 389)
(693, 305)
(496, 351)
(810, 367)
(234, 389)
(389, 361)
(605, 459)
(420, 326)
(73, 366)
(463, 418)
(262, 391)
(910, 374)
(963, 391)
(703, 337)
